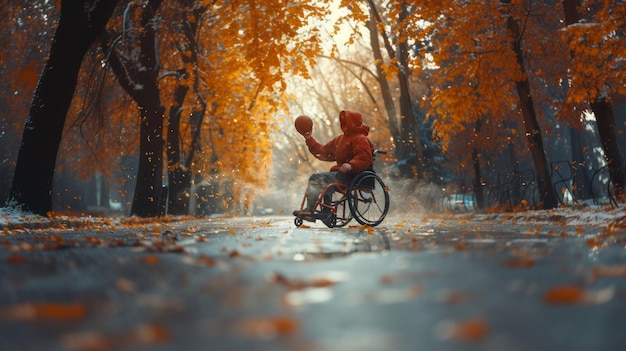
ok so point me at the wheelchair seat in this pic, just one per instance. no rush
(347, 179)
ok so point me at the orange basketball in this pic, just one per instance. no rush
(304, 124)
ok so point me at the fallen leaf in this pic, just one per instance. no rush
(208, 261)
(297, 284)
(593, 242)
(520, 262)
(34, 311)
(564, 295)
(125, 285)
(15, 258)
(609, 271)
(268, 327)
(460, 246)
(471, 330)
(149, 334)
(87, 341)
(151, 259)
(143, 335)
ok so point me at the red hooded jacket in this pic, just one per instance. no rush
(351, 147)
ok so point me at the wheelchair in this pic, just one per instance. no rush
(365, 198)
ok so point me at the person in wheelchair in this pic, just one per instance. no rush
(351, 151)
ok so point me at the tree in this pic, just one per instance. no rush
(137, 73)
(547, 193)
(480, 71)
(79, 25)
(398, 51)
(179, 159)
(599, 42)
(26, 40)
(382, 79)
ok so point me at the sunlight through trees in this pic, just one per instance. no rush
(186, 106)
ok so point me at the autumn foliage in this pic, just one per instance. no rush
(222, 72)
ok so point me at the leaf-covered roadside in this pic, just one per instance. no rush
(123, 283)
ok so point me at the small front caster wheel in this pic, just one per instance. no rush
(297, 221)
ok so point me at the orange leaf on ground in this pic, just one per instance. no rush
(460, 245)
(125, 285)
(573, 295)
(298, 284)
(149, 334)
(609, 271)
(520, 262)
(88, 341)
(564, 295)
(593, 242)
(15, 258)
(143, 335)
(208, 261)
(33, 311)
(151, 259)
(473, 330)
(265, 327)
(322, 282)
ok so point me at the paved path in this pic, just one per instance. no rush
(441, 283)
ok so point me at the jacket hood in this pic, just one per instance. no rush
(352, 123)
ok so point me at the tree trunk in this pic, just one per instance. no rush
(178, 202)
(547, 193)
(479, 189)
(148, 190)
(385, 91)
(79, 25)
(179, 171)
(409, 127)
(580, 178)
(149, 187)
(139, 80)
(606, 128)
(409, 141)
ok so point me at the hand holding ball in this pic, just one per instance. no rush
(304, 125)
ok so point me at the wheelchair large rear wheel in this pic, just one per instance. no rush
(368, 199)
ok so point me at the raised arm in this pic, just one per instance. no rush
(324, 152)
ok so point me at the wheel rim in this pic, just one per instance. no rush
(368, 199)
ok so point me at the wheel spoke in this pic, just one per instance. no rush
(368, 199)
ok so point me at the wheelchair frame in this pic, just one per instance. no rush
(365, 199)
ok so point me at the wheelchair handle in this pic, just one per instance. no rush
(376, 152)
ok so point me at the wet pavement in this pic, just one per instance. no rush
(437, 282)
